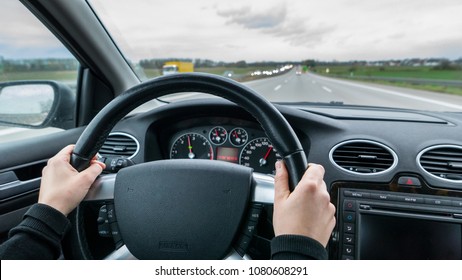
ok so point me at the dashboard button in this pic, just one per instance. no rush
(348, 239)
(406, 198)
(364, 207)
(407, 181)
(349, 228)
(380, 196)
(110, 213)
(255, 212)
(348, 250)
(249, 228)
(434, 201)
(357, 194)
(412, 199)
(349, 217)
(349, 205)
(115, 232)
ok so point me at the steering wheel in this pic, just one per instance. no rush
(181, 209)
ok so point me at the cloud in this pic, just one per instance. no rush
(255, 30)
(24, 36)
(250, 19)
(275, 21)
(301, 33)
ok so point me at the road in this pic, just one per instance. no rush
(314, 88)
(309, 87)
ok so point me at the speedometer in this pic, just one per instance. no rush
(260, 155)
(192, 146)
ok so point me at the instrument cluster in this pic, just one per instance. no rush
(240, 145)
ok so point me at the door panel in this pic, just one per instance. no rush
(21, 165)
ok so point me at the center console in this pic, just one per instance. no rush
(392, 222)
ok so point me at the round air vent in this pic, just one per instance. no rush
(363, 157)
(120, 144)
(443, 162)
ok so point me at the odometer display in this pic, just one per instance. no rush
(260, 155)
(192, 146)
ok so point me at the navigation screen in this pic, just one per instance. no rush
(398, 238)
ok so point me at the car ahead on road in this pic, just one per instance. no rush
(228, 74)
(392, 156)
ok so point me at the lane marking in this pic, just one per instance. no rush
(277, 87)
(392, 92)
(327, 89)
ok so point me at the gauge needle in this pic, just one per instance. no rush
(263, 160)
(217, 137)
(191, 155)
(238, 140)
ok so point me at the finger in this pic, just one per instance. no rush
(314, 172)
(66, 150)
(65, 153)
(102, 164)
(92, 171)
(95, 157)
(62, 155)
(281, 183)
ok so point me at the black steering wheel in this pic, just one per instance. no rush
(181, 209)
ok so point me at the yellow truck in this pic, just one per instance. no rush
(173, 67)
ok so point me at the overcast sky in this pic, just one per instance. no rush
(259, 30)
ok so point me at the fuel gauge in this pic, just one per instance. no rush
(238, 137)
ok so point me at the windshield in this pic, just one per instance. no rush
(392, 53)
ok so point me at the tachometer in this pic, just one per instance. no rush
(260, 155)
(192, 146)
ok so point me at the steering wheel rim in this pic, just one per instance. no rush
(275, 125)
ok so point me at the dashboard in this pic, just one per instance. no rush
(245, 144)
(393, 175)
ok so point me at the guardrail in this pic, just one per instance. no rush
(416, 81)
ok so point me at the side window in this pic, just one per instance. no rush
(38, 77)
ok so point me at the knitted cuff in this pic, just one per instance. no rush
(297, 247)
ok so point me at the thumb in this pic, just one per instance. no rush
(281, 183)
(92, 171)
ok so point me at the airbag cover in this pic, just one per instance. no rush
(181, 209)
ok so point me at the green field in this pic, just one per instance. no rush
(39, 75)
(394, 72)
(367, 73)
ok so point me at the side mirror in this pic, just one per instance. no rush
(37, 104)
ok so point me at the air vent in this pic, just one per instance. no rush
(443, 162)
(119, 145)
(363, 157)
